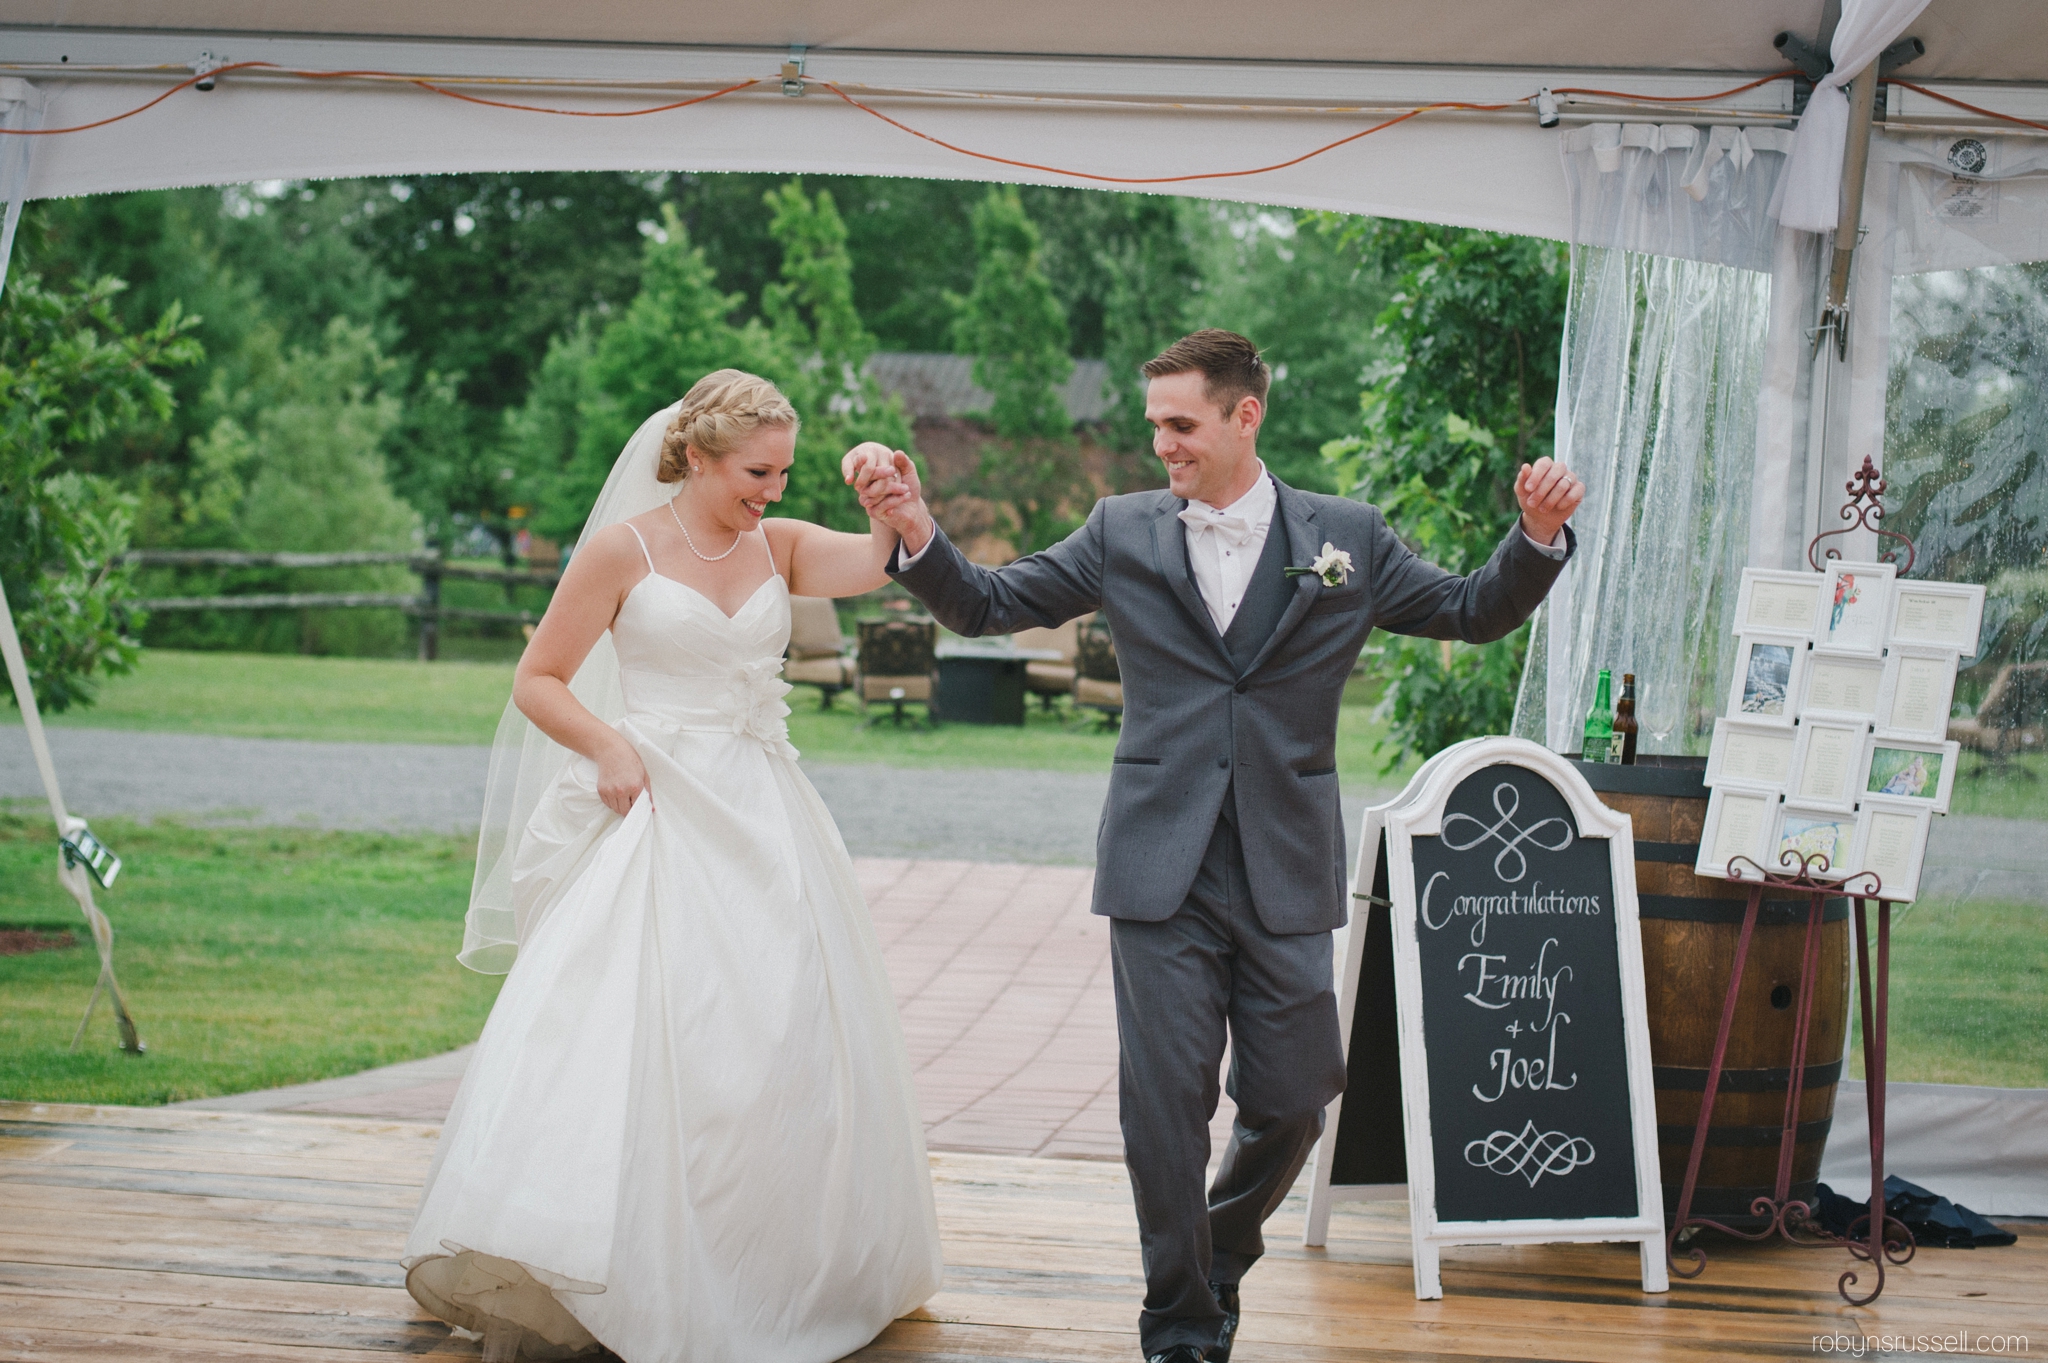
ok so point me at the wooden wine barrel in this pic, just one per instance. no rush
(1690, 925)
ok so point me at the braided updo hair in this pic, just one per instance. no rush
(720, 410)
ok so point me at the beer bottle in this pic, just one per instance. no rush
(1625, 720)
(1599, 722)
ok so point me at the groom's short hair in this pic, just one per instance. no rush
(1229, 364)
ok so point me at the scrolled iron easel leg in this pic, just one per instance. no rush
(1696, 1255)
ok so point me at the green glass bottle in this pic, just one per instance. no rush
(1600, 719)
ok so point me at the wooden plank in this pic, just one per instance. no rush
(398, 1329)
(175, 1235)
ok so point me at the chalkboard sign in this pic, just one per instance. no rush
(1499, 935)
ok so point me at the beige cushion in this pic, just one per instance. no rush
(878, 688)
(1100, 694)
(818, 671)
(814, 628)
(1052, 678)
(1063, 637)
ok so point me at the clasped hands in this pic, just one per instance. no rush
(887, 483)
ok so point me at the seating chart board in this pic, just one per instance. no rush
(1834, 741)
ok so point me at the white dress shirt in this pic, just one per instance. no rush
(1224, 546)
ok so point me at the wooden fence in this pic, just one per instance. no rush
(426, 606)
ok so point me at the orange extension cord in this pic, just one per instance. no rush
(899, 125)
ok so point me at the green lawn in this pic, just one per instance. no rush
(268, 695)
(250, 958)
(1969, 995)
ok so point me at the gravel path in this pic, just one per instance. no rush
(973, 814)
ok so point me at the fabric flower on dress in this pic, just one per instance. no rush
(752, 703)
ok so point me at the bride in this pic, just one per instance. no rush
(687, 1131)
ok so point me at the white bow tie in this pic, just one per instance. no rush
(1237, 531)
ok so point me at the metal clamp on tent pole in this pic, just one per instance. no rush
(793, 72)
(1546, 108)
(204, 69)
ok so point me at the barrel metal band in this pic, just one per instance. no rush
(1774, 913)
(1680, 1077)
(1809, 1132)
(1670, 853)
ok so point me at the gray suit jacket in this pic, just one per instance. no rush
(1196, 728)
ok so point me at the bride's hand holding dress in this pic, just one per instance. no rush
(688, 1130)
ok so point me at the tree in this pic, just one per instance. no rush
(1011, 323)
(1016, 330)
(295, 462)
(821, 347)
(71, 376)
(1465, 395)
(1310, 301)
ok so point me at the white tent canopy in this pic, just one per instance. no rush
(1137, 90)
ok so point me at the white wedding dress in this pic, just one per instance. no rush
(688, 1130)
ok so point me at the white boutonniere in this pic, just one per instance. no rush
(1333, 566)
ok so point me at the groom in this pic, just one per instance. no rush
(1220, 860)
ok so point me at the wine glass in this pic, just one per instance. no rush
(1657, 708)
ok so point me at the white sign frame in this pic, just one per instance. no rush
(1866, 819)
(1420, 814)
(1727, 731)
(1349, 960)
(1795, 678)
(1881, 577)
(1970, 594)
(1896, 658)
(1809, 707)
(1951, 754)
(1745, 603)
(1710, 862)
(1842, 800)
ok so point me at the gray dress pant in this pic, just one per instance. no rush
(1182, 984)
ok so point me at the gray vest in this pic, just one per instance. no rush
(1265, 600)
(1258, 615)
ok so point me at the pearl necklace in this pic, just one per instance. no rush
(708, 558)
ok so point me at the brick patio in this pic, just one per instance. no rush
(1002, 976)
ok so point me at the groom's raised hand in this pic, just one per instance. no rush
(1548, 495)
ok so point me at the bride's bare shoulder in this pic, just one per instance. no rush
(613, 554)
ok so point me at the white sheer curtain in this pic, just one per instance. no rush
(1657, 413)
(1665, 333)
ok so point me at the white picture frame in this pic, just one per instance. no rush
(1739, 823)
(1774, 602)
(1802, 831)
(1828, 764)
(1936, 615)
(1919, 689)
(1910, 771)
(1770, 669)
(1748, 755)
(1842, 686)
(1891, 843)
(1855, 608)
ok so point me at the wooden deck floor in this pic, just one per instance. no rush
(146, 1233)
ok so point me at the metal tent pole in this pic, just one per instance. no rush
(71, 873)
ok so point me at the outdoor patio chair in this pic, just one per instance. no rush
(1046, 678)
(818, 653)
(2012, 718)
(897, 665)
(1098, 684)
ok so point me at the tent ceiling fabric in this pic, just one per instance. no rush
(1997, 40)
(1136, 88)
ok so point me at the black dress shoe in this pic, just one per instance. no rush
(1180, 1353)
(1226, 1297)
